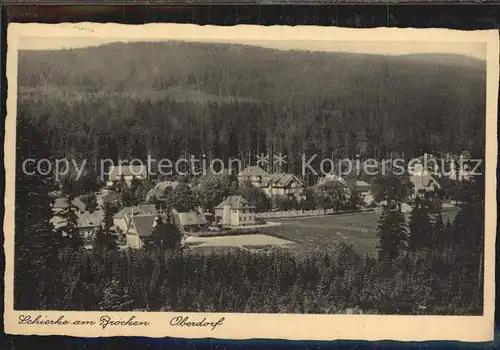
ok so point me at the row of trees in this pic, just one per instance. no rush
(270, 282)
(425, 229)
(208, 191)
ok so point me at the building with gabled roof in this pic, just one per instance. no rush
(278, 184)
(282, 184)
(423, 184)
(140, 230)
(121, 219)
(190, 221)
(253, 173)
(235, 211)
(126, 172)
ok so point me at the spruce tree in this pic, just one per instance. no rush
(36, 244)
(439, 234)
(69, 230)
(90, 201)
(421, 228)
(104, 240)
(109, 211)
(166, 237)
(392, 233)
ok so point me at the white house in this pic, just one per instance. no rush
(235, 211)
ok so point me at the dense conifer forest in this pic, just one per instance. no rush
(121, 100)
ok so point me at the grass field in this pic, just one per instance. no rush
(358, 230)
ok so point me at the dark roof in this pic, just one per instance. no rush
(236, 202)
(143, 224)
(253, 170)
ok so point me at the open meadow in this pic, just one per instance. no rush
(325, 232)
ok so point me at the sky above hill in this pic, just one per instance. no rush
(470, 49)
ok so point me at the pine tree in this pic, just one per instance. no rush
(104, 241)
(421, 228)
(392, 233)
(448, 233)
(354, 199)
(90, 201)
(109, 211)
(166, 235)
(439, 234)
(69, 230)
(36, 243)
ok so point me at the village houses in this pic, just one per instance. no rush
(137, 223)
(87, 223)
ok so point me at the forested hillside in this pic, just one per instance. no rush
(119, 100)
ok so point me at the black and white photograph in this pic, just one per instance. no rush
(251, 175)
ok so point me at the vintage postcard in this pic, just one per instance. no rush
(248, 182)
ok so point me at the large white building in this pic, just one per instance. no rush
(235, 211)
